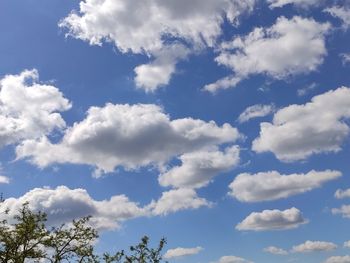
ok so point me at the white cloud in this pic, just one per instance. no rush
(338, 259)
(256, 111)
(345, 58)
(181, 252)
(176, 200)
(300, 3)
(4, 180)
(299, 131)
(199, 168)
(314, 246)
(232, 259)
(347, 244)
(272, 220)
(266, 186)
(275, 250)
(29, 109)
(63, 205)
(127, 135)
(289, 47)
(340, 194)
(306, 90)
(153, 26)
(341, 12)
(344, 210)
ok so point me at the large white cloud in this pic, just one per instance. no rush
(63, 205)
(272, 185)
(127, 135)
(182, 252)
(272, 220)
(199, 168)
(301, 3)
(299, 131)
(289, 47)
(275, 250)
(4, 179)
(314, 246)
(338, 259)
(28, 108)
(153, 27)
(177, 200)
(232, 259)
(255, 111)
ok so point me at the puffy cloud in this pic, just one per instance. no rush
(340, 194)
(272, 220)
(300, 3)
(347, 244)
(338, 259)
(272, 185)
(4, 180)
(289, 47)
(29, 109)
(341, 12)
(127, 135)
(176, 200)
(153, 27)
(256, 111)
(345, 58)
(314, 246)
(344, 210)
(275, 250)
(199, 168)
(181, 252)
(63, 205)
(232, 259)
(299, 131)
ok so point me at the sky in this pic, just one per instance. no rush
(222, 125)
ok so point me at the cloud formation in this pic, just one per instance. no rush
(127, 135)
(289, 47)
(272, 220)
(4, 180)
(28, 108)
(154, 27)
(344, 210)
(267, 186)
(275, 250)
(62, 205)
(299, 131)
(340, 194)
(182, 252)
(341, 12)
(199, 168)
(232, 259)
(314, 246)
(338, 259)
(255, 111)
(299, 3)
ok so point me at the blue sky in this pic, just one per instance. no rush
(221, 125)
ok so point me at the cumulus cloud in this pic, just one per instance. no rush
(338, 259)
(177, 200)
(347, 244)
(299, 131)
(181, 252)
(199, 168)
(341, 12)
(314, 246)
(272, 220)
(4, 180)
(256, 111)
(127, 135)
(28, 108)
(154, 27)
(344, 210)
(232, 259)
(62, 205)
(289, 47)
(275, 250)
(340, 194)
(266, 186)
(300, 3)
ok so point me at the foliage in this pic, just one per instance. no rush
(27, 239)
